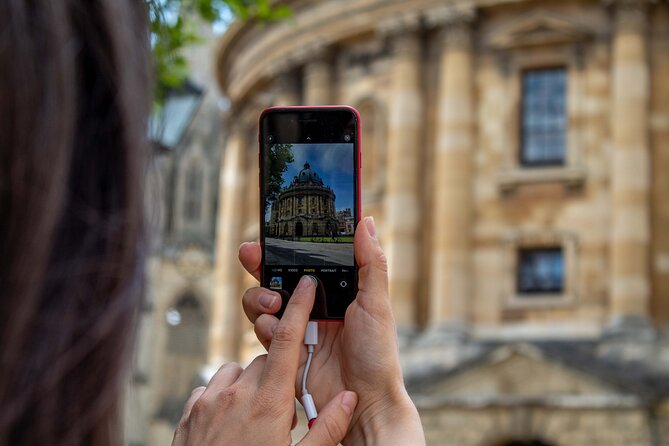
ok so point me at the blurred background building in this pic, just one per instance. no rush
(515, 157)
(181, 203)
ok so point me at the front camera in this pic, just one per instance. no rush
(347, 138)
(270, 138)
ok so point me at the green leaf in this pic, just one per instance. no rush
(174, 26)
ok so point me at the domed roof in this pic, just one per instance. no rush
(307, 175)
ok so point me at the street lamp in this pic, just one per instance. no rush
(168, 125)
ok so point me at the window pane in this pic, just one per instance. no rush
(540, 271)
(544, 120)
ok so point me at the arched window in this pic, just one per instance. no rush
(187, 323)
(193, 192)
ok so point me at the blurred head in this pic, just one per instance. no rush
(74, 99)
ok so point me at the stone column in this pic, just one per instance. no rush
(450, 262)
(223, 335)
(318, 81)
(660, 144)
(401, 228)
(287, 90)
(631, 173)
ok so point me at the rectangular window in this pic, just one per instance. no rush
(540, 271)
(544, 117)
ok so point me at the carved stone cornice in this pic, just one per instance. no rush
(448, 15)
(398, 24)
(317, 50)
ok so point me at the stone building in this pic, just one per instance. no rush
(181, 205)
(305, 208)
(346, 222)
(515, 157)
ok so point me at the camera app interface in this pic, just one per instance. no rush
(309, 220)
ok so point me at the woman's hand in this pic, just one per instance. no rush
(256, 405)
(360, 355)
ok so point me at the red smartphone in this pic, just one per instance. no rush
(310, 203)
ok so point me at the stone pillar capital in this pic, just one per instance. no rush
(399, 24)
(447, 15)
(456, 35)
(629, 15)
(405, 44)
(455, 25)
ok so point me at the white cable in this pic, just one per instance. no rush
(310, 339)
(310, 355)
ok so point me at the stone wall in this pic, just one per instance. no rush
(493, 426)
(439, 88)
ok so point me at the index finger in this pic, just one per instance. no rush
(284, 351)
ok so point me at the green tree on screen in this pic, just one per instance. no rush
(279, 156)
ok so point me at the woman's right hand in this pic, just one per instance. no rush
(360, 355)
(255, 406)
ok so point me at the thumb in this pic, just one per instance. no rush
(373, 272)
(332, 423)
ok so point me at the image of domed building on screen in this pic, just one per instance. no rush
(306, 208)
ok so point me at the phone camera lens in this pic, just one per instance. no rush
(347, 138)
(270, 138)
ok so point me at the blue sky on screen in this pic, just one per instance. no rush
(332, 162)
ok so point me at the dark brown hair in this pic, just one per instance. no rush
(74, 98)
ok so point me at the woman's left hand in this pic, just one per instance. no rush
(256, 405)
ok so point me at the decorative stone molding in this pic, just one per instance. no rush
(570, 176)
(455, 24)
(399, 24)
(538, 28)
(315, 50)
(363, 57)
(448, 15)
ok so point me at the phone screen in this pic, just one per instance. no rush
(309, 186)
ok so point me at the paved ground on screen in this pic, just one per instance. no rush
(285, 252)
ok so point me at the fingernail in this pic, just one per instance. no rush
(307, 281)
(371, 226)
(268, 300)
(273, 327)
(348, 401)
